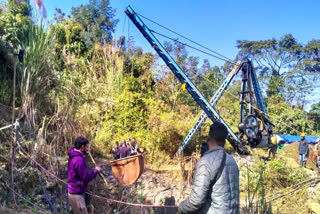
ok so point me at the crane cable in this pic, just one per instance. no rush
(190, 40)
(259, 110)
(212, 55)
(192, 47)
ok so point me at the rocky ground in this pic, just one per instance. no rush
(313, 202)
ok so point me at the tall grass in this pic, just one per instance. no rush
(37, 72)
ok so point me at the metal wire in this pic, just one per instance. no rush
(190, 40)
(185, 44)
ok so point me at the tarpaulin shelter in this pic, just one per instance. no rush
(294, 138)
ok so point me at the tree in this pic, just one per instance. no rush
(59, 16)
(286, 66)
(314, 115)
(213, 76)
(21, 7)
(14, 21)
(97, 20)
(287, 119)
(75, 42)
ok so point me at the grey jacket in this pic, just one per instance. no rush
(303, 146)
(223, 196)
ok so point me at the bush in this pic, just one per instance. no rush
(280, 174)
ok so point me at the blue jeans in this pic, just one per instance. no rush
(302, 158)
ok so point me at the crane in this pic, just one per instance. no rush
(254, 126)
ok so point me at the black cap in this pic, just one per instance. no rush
(218, 131)
(80, 141)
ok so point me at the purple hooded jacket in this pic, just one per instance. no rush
(78, 175)
(124, 151)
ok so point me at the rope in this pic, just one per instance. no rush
(16, 124)
(139, 204)
(92, 194)
(51, 206)
(168, 29)
(131, 204)
(33, 204)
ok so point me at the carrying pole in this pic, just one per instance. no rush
(100, 173)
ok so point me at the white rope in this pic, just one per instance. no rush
(16, 124)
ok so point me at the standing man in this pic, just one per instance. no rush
(216, 180)
(78, 175)
(303, 150)
(273, 147)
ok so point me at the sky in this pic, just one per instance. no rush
(217, 24)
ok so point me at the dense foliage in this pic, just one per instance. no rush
(76, 79)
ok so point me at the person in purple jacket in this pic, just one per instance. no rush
(78, 175)
(124, 150)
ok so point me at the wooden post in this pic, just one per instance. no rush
(15, 139)
(13, 156)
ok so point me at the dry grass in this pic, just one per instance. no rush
(295, 203)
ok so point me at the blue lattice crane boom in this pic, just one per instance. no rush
(182, 77)
(213, 102)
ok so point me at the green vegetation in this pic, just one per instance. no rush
(261, 180)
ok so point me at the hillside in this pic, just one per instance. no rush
(165, 185)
